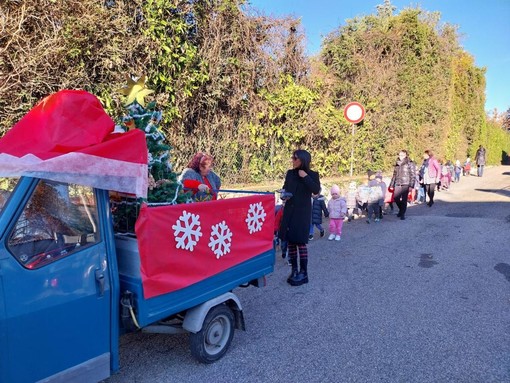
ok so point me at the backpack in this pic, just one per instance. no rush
(375, 194)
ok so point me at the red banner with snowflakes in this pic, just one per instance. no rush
(184, 244)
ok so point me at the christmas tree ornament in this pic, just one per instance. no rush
(135, 91)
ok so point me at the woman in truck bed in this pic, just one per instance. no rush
(200, 179)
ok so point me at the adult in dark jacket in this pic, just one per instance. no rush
(480, 160)
(404, 176)
(300, 182)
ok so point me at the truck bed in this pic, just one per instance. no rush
(157, 308)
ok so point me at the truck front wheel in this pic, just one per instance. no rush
(212, 341)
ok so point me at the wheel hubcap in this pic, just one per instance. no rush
(217, 335)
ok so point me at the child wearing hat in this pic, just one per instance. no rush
(379, 178)
(337, 208)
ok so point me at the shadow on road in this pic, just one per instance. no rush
(504, 192)
(503, 268)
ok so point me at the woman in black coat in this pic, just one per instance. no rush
(300, 182)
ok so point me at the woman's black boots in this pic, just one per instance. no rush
(299, 278)
(294, 271)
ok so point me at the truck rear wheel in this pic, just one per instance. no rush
(212, 341)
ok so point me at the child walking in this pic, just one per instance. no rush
(318, 207)
(458, 170)
(337, 208)
(350, 199)
(445, 177)
(374, 195)
(362, 197)
(467, 167)
(382, 185)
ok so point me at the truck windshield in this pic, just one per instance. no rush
(7, 185)
(58, 220)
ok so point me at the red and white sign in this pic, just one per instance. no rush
(184, 244)
(354, 112)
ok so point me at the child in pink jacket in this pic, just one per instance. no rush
(337, 208)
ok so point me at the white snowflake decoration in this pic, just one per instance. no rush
(188, 225)
(221, 239)
(256, 217)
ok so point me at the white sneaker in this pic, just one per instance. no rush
(331, 237)
(337, 238)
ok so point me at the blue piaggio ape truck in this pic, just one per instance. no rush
(70, 286)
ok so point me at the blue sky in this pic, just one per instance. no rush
(484, 27)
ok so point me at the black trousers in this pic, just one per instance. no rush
(400, 197)
(429, 190)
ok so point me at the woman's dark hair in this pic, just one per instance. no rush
(304, 157)
(198, 159)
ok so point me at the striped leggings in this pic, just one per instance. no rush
(303, 256)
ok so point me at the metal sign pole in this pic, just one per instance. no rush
(352, 150)
(354, 112)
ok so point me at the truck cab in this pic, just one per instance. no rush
(55, 282)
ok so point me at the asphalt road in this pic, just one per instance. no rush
(421, 300)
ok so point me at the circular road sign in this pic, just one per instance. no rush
(354, 112)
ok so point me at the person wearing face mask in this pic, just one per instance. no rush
(300, 183)
(200, 179)
(404, 175)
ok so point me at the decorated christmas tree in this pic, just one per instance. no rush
(163, 184)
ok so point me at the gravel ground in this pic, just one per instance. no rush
(421, 300)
